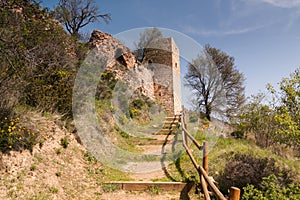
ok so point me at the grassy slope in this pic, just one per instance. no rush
(223, 149)
(54, 172)
(220, 152)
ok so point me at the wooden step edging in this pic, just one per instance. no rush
(165, 132)
(168, 121)
(143, 186)
(152, 142)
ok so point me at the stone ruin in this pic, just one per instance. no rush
(158, 77)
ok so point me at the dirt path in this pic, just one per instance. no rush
(53, 172)
(153, 149)
(140, 196)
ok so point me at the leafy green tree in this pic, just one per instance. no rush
(276, 120)
(290, 95)
(257, 118)
(76, 14)
(216, 83)
(287, 106)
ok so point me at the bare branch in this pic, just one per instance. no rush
(218, 86)
(77, 14)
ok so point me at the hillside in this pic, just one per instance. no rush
(51, 171)
(43, 154)
(59, 167)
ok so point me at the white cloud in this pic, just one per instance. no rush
(207, 33)
(283, 3)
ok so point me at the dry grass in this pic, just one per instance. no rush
(54, 172)
(47, 174)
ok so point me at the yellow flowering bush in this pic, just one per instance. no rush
(14, 136)
(133, 112)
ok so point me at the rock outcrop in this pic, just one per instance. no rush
(122, 61)
(112, 50)
(158, 78)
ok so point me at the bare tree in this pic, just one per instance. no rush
(146, 38)
(216, 83)
(76, 14)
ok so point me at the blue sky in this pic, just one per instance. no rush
(262, 35)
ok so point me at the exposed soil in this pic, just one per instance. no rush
(140, 196)
(54, 172)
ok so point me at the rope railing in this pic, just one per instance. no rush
(203, 170)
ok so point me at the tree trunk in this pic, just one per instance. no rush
(207, 115)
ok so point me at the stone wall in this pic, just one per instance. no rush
(157, 78)
(163, 55)
(176, 78)
(122, 61)
(141, 78)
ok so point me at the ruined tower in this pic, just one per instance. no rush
(159, 75)
(163, 58)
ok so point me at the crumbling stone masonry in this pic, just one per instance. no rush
(158, 77)
(163, 55)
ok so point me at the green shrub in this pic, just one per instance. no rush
(237, 134)
(138, 103)
(58, 173)
(272, 189)
(193, 119)
(139, 108)
(133, 112)
(243, 169)
(53, 190)
(33, 167)
(64, 142)
(14, 136)
(90, 158)
(109, 187)
(58, 151)
(124, 134)
(154, 190)
(123, 119)
(106, 85)
(37, 58)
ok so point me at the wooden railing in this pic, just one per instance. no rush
(206, 181)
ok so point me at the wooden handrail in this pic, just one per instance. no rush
(200, 147)
(204, 186)
(203, 171)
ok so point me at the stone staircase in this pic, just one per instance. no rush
(164, 135)
(143, 181)
(170, 125)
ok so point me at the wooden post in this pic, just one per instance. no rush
(234, 193)
(185, 126)
(186, 138)
(204, 187)
(205, 156)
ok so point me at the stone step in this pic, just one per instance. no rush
(172, 118)
(164, 132)
(170, 126)
(156, 140)
(152, 142)
(162, 137)
(143, 186)
(170, 122)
